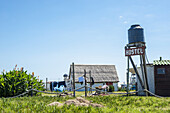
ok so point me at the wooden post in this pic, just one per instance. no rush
(143, 74)
(85, 83)
(127, 88)
(74, 94)
(90, 82)
(142, 70)
(145, 71)
(136, 88)
(46, 83)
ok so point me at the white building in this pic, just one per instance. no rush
(102, 74)
(150, 78)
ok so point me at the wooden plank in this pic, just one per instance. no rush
(163, 88)
(163, 92)
(46, 83)
(162, 83)
(90, 81)
(127, 88)
(145, 71)
(162, 79)
(85, 83)
(74, 93)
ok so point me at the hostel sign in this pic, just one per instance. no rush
(135, 51)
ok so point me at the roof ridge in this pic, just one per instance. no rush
(96, 64)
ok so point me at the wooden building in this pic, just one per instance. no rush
(102, 74)
(162, 77)
(158, 75)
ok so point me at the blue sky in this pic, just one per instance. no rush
(45, 37)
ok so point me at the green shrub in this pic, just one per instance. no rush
(111, 88)
(15, 82)
(121, 89)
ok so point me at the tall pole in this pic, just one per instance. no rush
(143, 74)
(145, 71)
(85, 83)
(46, 83)
(127, 88)
(74, 93)
(90, 81)
(142, 69)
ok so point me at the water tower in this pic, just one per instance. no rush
(136, 47)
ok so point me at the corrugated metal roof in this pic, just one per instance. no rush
(161, 62)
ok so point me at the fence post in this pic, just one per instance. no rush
(90, 81)
(85, 83)
(73, 80)
(46, 83)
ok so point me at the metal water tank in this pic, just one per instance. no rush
(135, 34)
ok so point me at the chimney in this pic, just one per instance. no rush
(160, 58)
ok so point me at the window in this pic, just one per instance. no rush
(161, 71)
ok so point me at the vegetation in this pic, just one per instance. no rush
(111, 88)
(15, 82)
(121, 89)
(112, 104)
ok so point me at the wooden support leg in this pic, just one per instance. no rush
(127, 88)
(145, 71)
(136, 71)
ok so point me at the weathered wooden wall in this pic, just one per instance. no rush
(162, 81)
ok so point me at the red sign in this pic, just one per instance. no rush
(135, 51)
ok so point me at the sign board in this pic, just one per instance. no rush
(135, 51)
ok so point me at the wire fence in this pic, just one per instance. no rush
(21, 94)
(58, 93)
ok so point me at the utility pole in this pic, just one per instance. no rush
(85, 83)
(74, 94)
(90, 82)
(46, 83)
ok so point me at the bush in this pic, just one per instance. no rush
(111, 88)
(121, 89)
(16, 82)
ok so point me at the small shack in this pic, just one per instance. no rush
(102, 75)
(158, 75)
(162, 77)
